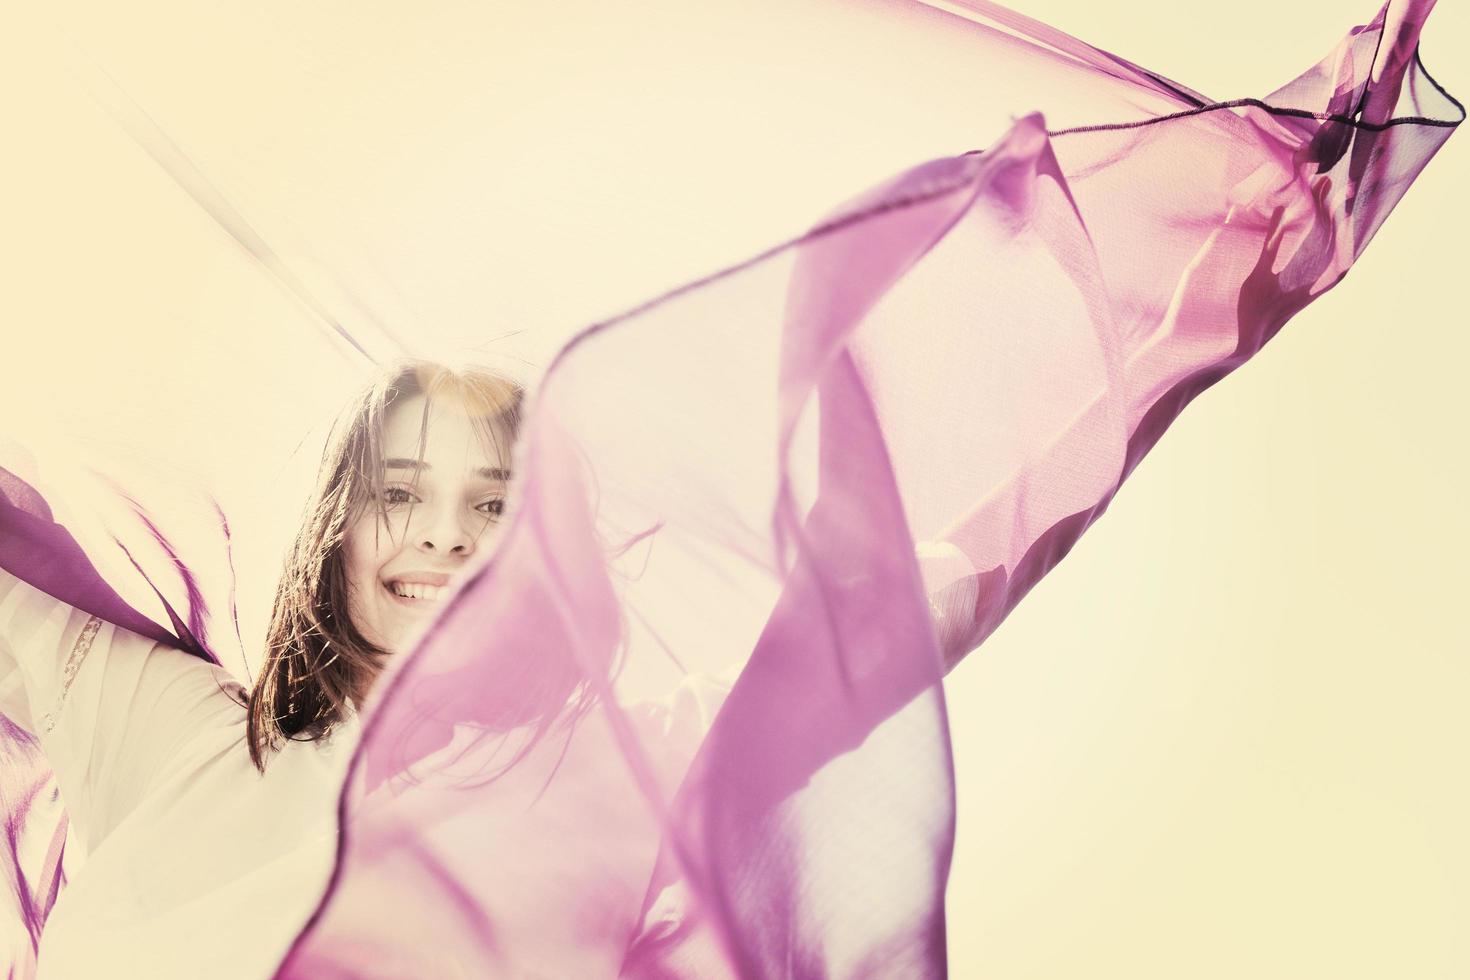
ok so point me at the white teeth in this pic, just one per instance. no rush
(415, 590)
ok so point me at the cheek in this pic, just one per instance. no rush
(362, 557)
(366, 546)
(489, 539)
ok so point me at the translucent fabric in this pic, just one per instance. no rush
(689, 719)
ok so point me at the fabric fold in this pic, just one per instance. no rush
(689, 720)
(965, 365)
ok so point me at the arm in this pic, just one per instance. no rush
(106, 705)
(43, 643)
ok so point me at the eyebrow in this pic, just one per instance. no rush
(402, 463)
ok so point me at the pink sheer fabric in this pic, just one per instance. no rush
(779, 474)
(689, 720)
(35, 835)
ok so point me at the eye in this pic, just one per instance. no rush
(394, 496)
(493, 507)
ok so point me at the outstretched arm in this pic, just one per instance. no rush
(105, 705)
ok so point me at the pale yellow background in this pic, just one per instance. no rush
(1225, 738)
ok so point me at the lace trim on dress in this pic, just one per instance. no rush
(69, 672)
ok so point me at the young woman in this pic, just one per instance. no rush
(203, 818)
(412, 491)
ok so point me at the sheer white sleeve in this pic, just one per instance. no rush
(43, 643)
(109, 707)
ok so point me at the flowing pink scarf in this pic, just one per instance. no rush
(689, 720)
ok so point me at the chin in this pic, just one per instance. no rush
(393, 643)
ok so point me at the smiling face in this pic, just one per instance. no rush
(444, 484)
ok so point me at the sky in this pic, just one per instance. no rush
(1224, 738)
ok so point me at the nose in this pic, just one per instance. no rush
(439, 531)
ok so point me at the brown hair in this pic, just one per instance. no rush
(317, 661)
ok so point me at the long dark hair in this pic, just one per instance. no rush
(317, 662)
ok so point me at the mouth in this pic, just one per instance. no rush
(416, 594)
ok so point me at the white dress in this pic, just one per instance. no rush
(183, 860)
